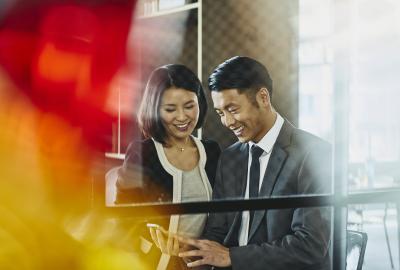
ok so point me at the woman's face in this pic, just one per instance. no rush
(179, 111)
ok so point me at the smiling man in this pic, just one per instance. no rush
(271, 158)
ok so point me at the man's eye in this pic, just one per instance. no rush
(233, 111)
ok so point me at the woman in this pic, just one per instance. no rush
(170, 164)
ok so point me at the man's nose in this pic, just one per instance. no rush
(228, 120)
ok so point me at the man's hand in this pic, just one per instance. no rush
(211, 253)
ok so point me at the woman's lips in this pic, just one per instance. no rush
(182, 127)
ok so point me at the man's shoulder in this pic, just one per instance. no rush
(307, 141)
(209, 143)
(237, 147)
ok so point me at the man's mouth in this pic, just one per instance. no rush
(238, 130)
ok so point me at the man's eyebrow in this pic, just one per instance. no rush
(230, 105)
(225, 107)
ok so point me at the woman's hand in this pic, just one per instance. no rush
(168, 243)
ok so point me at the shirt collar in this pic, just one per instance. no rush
(269, 139)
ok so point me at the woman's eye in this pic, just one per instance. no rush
(169, 110)
(189, 107)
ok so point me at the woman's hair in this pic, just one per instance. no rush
(161, 79)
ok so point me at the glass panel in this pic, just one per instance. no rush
(371, 84)
(380, 223)
(315, 68)
(316, 95)
(374, 137)
(288, 237)
(312, 11)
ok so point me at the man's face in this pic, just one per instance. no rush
(239, 114)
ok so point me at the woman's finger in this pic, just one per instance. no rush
(161, 241)
(170, 244)
(154, 237)
(176, 246)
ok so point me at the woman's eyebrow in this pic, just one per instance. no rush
(190, 101)
(173, 104)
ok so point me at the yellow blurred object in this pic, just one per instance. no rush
(44, 182)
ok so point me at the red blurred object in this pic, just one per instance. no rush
(64, 54)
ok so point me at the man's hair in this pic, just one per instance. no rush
(242, 73)
(161, 79)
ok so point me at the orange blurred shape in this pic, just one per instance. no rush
(65, 51)
(59, 65)
(65, 55)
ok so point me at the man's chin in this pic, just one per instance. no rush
(242, 139)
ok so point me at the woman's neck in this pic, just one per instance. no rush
(179, 143)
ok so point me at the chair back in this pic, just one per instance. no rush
(110, 187)
(356, 245)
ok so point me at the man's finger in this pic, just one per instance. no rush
(189, 241)
(197, 263)
(192, 253)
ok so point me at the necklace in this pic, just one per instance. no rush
(182, 148)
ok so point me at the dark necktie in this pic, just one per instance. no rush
(256, 152)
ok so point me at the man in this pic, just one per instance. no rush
(271, 158)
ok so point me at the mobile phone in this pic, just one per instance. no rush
(153, 225)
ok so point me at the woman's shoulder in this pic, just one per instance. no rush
(140, 149)
(138, 144)
(211, 147)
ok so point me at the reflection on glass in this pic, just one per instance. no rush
(315, 67)
(372, 93)
(374, 138)
(380, 223)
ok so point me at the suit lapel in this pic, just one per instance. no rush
(275, 164)
(276, 161)
(241, 163)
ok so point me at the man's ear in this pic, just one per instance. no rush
(264, 96)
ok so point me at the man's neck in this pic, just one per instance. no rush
(268, 124)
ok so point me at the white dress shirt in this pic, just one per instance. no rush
(266, 143)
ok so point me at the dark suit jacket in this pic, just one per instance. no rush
(300, 163)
